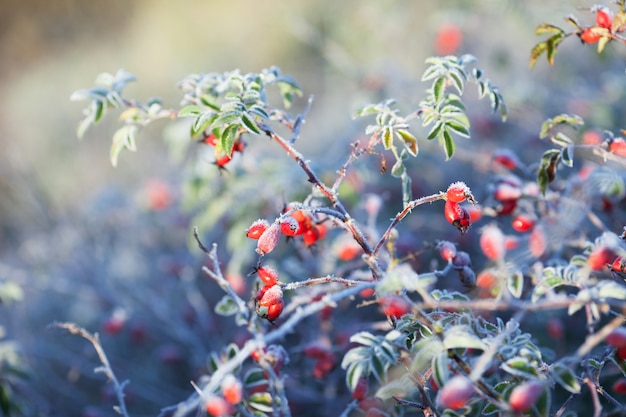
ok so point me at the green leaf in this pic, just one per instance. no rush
(5, 399)
(249, 124)
(439, 89)
(83, 125)
(545, 28)
(440, 368)
(364, 338)
(226, 306)
(228, 137)
(410, 142)
(191, 110)
(536, 52)
(565, 377)
(449, 144)
(567, 156)
(96, 93)
(397, 170)
(547, 168)
(457, 81)
(435, 130)
(461, 336)
(202, 122)
(552, 43)
(520, 366)
(254, 377)
(604, 40)
(124, 138)
(458, 128)
(353, 375)
(387, 137)
(261, 401)
(98, 111)
(515, 284)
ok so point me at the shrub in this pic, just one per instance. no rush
(447, 325)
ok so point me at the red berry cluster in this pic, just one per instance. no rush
(269, 302)
(605, 26)
(456, 214)
(223, 157)
(325, 359)
(310, 230)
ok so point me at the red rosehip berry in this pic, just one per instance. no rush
(310, 236)
(588, 35)
(457, 215)
(289, 226)
(113, 325)
(269, 239)
(486, 279)
(269, 294)
(218, 407)
(600, 258)
(619, 386)
(361, 389)
(475, 212)
(395, 306)
(222, 161)
(270, 302)
(619, 265)
(537, 242)
(349, 250)
(457, 192)
(257, 228)
(555, 329)
(506, 207)
(370, 402)
(617, 338)
(448, 39)
(239, 145)
(324, 365)
(492, 242)
(315, 351)
(505, 158)
(455, 393)
(269, 276)
(525, 395)
(618, 147)
(210, 139)
(506, 192)
(604, 19)
(159, 195)
(232, 389)
(447, 250)
(523, 223)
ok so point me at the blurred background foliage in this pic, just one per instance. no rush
(72, 227)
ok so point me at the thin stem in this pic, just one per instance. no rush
(401, 215)
(321, 280)
(216, 275)
(106, 369)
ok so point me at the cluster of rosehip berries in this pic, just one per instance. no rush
(269, 298)
(456, 214)
(222, 405)
(604, 26)
(458, 391)
(221, 156)
(298, 223)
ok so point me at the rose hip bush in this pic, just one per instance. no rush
(360, 289)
